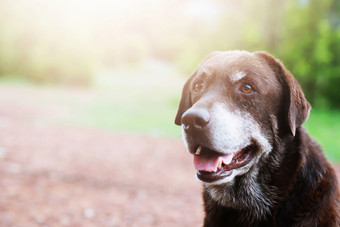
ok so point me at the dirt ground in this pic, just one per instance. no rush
(54, 175)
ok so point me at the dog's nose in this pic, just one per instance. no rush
(198, 119)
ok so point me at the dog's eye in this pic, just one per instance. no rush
(247, 89)
(198, 87)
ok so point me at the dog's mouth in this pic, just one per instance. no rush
(213, 166)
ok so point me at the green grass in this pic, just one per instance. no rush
(324, 126)
(142, 100)
(151, 109)
(17, 80)
(147, 103)
(138, 102)
(144, 113)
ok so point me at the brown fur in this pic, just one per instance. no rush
(295, 184)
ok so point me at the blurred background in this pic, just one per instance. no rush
(73, 70)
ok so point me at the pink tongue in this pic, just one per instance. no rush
(209, 163)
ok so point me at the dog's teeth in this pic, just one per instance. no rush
(219, 166)
(198, 151)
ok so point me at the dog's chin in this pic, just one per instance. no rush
(215, 167)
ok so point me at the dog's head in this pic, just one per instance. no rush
(233, 107)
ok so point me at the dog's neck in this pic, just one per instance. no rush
(246, 195)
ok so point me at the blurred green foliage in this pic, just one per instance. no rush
(324, 126)
(311, 50)
(69, 41)
(303, 34)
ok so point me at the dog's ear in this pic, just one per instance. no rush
(185, 102)
(298, 107)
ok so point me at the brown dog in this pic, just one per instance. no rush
(241, 116)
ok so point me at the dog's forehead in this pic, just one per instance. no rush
(234, 65)
(229, 57)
